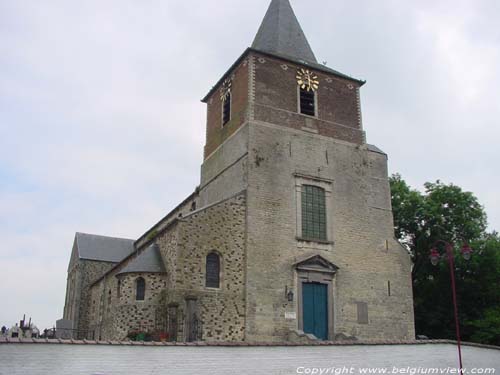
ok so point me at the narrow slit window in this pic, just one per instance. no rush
(109, 301)
(226, 109)
(307, 102)
(313, 213)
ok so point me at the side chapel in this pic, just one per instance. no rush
(289, 235)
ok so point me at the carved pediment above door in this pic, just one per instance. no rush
(316, 263)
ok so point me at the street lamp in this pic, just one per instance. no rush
(435, 257)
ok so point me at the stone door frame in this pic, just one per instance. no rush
(317, 269)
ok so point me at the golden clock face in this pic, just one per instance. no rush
(307, 80)
(225, 89)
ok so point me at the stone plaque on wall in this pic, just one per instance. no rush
(362, 312)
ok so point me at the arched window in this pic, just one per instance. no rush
(140, 285)
(212, 278)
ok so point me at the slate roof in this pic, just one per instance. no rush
(107, 249)
(149, 260)
(280, 33)
(375, 149)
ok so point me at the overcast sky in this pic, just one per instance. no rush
(102, 129)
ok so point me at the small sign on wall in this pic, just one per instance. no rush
(290, 315)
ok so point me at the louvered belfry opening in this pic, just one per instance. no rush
(226, 110)
(307, 106)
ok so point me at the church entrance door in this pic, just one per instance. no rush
(315, 309)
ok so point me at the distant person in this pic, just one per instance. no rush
(4, 330)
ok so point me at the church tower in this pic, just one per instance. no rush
(320, 255)
(288, 237)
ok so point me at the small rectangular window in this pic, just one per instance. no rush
(307, 104)
(226, 110)
(313, 213)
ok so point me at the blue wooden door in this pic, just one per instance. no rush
(315, 309)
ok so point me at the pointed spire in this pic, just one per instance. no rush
(280, 33)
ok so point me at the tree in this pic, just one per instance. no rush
(447, 213)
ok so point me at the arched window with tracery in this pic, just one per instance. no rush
(212, 276)
(140, 289)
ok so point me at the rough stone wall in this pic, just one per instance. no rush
(90, 271)
(115, 311)
(216, 133)
(182, 209)
(96, 300)
(168, 241)
(72, 287)
(223, 174)
(71, 305)
(184, 245)
(81, 274)
(361, 234)
(220, 228)
(131, 314)
(276, 101)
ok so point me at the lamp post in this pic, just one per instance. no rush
(435, 257)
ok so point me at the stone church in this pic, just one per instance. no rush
(289, 235)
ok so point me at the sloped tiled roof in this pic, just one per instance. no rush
(280, 33)
(107, 249)
(149, 260)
